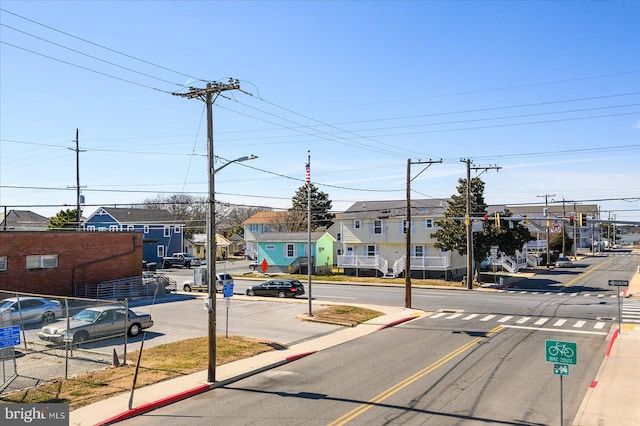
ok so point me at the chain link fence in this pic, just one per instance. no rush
(61, 337)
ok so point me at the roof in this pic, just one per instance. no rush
(138, 215)
(202, 239)
(289, 237)
(556, 210)
(265, 218)
(396, 208)
(23, 220)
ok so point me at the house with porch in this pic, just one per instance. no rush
(162, 234)
(197, 246)
(371, 240)
(287, 252)
(258, 225)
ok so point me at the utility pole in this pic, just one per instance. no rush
(78, 196)
(546, 214)
(467, 220)
(207, 95)
(563, 216)
(309, 254)
(407, 263)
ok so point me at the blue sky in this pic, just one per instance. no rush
(547, 91)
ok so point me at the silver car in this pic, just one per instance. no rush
(24, 310)
(92, 323)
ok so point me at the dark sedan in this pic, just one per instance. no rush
(277, 288)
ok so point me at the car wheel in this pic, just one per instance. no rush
(134, 330)
(187, 288)
(48, 317)
(250, 293)
(281, 294)
(80, 337)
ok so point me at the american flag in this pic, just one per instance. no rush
(307, 170)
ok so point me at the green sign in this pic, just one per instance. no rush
(561, 352)
(562, 369)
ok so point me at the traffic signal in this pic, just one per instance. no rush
(571, 220)
(526, 219)
(486, 218)
(582, 219)
(498, 220)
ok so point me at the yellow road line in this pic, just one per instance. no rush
(582, 275)
(409, 380)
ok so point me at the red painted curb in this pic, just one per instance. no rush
(613, 339)
(298, 356)
(156, 404)
(593, 384)
(396, 322)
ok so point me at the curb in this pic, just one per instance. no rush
(150, 406)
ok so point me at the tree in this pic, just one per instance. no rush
(64, 219)
(321, 216)
(452, 233)
(184, 208)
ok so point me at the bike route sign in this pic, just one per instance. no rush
(561, 352)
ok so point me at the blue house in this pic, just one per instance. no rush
(162, 234)
(286, 252)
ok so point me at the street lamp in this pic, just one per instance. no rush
(210, 303)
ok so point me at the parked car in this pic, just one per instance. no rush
(277, 288)
(564, 262)
(201, 284)
(98, 321)
(253, 265)
(24, 310)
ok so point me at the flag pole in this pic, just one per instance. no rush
(309, 254)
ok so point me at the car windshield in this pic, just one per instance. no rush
(87, 315)
(6, 303)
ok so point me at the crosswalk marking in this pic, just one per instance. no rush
(454, 316)
(487, 318)
(469, 317)
(541, 321)
(438, 315)
(579, 324)
(505, 319)
(523, 320)
(559, 323)
(599, 325)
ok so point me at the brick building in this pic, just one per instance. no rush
(53, 262)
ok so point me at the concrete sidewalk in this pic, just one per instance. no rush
(613, 399)
(148, 398)
(614, 396)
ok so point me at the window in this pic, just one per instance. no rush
(290, 250)
(146, 229)
(45, 261)
(129, 227)
(176, 229)
(418, 251)
(167, 231)
(161, 251)
(357, 224)
(377, 226)
(270, 247)
(427, 223)
(113, 228)
(339, 236)
(403, 226)
(371, 250)
(3, 263)
(91, 228)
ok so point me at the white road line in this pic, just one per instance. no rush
(579, 324)
(556, 330)
(541, 321)
(599, 325)
(454, 316)
(523, 320)
(505, 319)
(487, 318)
(559, 322)
(468, 317)
(438, 315)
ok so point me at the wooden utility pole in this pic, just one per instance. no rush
(207, 95)
(546, 214)
(467, 220)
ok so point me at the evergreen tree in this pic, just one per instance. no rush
(64, 219)
(321, 216)
(452, 233)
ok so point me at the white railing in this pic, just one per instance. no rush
(431, 263)
(362, 262)
(398, 266)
